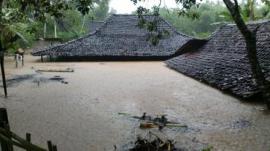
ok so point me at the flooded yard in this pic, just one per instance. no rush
(82, 113)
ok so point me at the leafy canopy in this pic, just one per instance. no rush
(24, 14)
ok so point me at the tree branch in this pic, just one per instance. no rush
(234, 10)
(236, 6)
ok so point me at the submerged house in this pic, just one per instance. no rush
(120, 37)
(222, 62)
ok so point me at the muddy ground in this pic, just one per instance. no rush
(82, 114)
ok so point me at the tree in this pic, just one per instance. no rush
(248, 34)
(16, 12)
(251, 47)
(250, 8)
(211, 16)
(101, 11)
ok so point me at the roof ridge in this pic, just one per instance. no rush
(216, 31)
(234, 25)
(97, 21)
(87, 35)
(169, 24)
(252, 22)
(174, 29)
(130, 15)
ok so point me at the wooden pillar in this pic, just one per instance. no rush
(22, 59)
(51, 146)
(28, 138)
(16, 60)
(3, 72)
(5, 124)
(41, 57)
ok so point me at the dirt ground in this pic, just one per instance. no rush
(82, 114)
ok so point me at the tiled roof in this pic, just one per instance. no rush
(120, 36)
(222, 62)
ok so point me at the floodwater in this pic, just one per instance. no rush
(82, 114)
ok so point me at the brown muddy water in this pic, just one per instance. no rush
(82, 114)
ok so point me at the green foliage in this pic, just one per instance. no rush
(210, 17)
(263, 12)
(200, 20)
(84, 6)
(100, 12)
(22, 21)
(210, 148)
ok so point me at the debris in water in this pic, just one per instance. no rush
(55, 70)
(57, 78)
(241, 124)
(154, 143)
(157, 122)
(147, 125)
(35, 77)
(64, 82)
(18, 79)
(39, 80)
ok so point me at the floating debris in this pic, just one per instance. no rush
(64, 82)
(55, 70)
(239, 124)
(57, 78)
(38, 80)
(18, 79)
(154, 143)
(158, 122)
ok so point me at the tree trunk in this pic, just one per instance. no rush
(256, 68)
(55, 28)
(251, 47)
(83, 23)
(250, 6)
(45, 30)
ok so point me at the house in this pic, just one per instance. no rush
(120, 37)
(222, 62)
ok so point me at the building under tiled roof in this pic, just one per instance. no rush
(222, 62)
(120, 36)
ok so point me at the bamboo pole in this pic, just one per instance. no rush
(55, 28)
(3, 71)
(2, 55)
(45, 30)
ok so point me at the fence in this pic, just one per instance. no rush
(8, 139)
